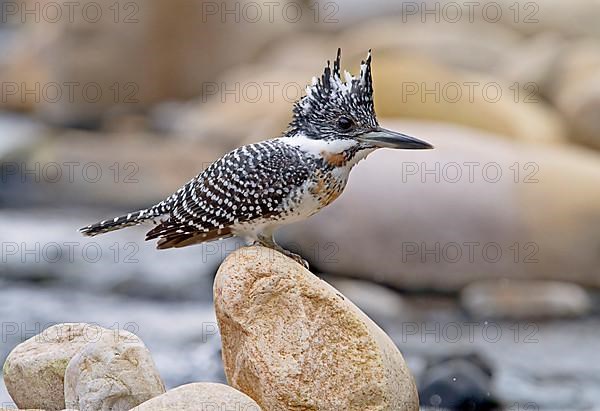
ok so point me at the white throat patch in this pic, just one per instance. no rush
(317, 147)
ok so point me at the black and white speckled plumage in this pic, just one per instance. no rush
(252, 185)
(256, 188)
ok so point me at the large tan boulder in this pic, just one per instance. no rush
(476, 207)
(410, 87)
(200, 396)
(137, 174)
(233, 109)
(576, 91)
(448, 43)
(575, 18)
(21, 71)
(525, 299)
(155, 51)
(115, 372)
(291, 341)
(535, 63)
(580, 104)
(35, 369)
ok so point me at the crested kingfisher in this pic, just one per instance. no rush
(255, 189)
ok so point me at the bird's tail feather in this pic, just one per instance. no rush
(117, 223)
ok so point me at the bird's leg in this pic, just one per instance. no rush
(267, 240)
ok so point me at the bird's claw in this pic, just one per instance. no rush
(299, 260)
(268, 242)
(296, 257)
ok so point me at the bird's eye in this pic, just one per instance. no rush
(344, 123)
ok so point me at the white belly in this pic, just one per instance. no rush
(298, 207)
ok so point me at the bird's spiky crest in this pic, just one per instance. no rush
(331, 83)
(332, 90)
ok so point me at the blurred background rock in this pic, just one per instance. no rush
(106, 107)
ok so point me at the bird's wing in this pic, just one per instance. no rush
(248, 183)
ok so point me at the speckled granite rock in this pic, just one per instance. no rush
(201, 396)
(34, 370)
(115, 371)
(291, 341)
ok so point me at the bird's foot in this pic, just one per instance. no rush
(296, 257)
(272, 245)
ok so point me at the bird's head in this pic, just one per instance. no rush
(342, 109)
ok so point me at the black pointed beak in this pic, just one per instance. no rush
(380, 137)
